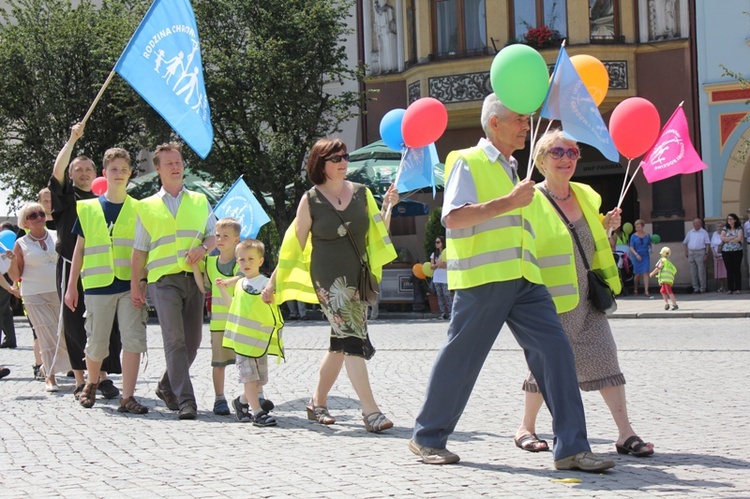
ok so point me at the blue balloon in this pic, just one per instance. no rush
(7, 239)
(390, 129)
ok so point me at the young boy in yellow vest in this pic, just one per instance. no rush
(252, 331)
(219, 268)
(106, 233)
(666, 270)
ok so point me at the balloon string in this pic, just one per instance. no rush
(398, 177)
(532, 137)
(624, 182)
(626, 188)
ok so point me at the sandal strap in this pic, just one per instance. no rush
(376, 421)
(635, 443)
(132, 405)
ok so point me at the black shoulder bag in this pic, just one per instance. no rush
(601, 295)
(369, 289)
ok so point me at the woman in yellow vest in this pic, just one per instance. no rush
(319, 263)
(564, 273)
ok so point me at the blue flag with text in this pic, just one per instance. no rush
(240, 204)
(418, 169)
(569, 101)
(162, 62)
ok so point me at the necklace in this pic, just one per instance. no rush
(565, 198)
(37, 239)
(338, 197)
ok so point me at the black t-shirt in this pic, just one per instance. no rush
(64, 213)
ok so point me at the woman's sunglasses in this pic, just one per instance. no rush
(337, 158)
(35, 215)
(559, 152)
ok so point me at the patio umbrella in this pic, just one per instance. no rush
(375, 166)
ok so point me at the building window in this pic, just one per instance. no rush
(663, 19)
(527, 14)
(604, 20)
(459, 27)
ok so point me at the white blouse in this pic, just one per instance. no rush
(39, 266)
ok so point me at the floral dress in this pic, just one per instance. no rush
(335, 269)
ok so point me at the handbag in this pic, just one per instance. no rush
(368, 287)
(600, 295)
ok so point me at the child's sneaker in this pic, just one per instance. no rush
(221, 408)
(266, 404)
(264, 419)
(675, 307)
(666, 306)
(242, 411)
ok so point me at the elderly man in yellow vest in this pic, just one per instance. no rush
(174, 231)
(105, 232)
(492, 267)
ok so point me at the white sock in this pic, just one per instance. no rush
(243, 399)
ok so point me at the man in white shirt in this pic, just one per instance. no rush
(696, 244)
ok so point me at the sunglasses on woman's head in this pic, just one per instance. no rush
(559, 152)
(337, 158)
(35, 215)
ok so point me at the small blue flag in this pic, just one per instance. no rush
(569, 101)
(162, 62)
(240, 204)
(418, 169)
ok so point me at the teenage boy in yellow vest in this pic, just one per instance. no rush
(491, 261)
(252, 331)
(174, 231)
(105, 232)
(219, 268)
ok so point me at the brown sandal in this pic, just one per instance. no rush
(376, 422)
(88, 395)
(131, 405)
(320, 414)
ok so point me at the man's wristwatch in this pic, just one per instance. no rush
(203, 245)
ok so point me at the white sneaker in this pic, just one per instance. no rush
(52, 388)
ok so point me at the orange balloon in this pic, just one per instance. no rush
(417, 269)
(594, 75)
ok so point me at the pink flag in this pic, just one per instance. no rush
(673, 153)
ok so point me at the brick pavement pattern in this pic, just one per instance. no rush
(687, 389)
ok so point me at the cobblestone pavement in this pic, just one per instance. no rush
(679, 399)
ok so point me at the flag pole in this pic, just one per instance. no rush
(398, 177)
(98, 96)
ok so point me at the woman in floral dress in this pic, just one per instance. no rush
(336, 214)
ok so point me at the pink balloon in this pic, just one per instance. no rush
(99, 186)
(424, 122)
(634, 126)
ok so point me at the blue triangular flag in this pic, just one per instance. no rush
(162, 62)
(418, 169)
(240, 204)
(569, 101)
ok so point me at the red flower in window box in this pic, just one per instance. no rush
(542, 37)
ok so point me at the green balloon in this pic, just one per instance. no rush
(627, 228)
(655, 239)
(520, 78)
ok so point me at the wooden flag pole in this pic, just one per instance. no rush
(98, 96)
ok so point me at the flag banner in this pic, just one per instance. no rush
(673, 154)
(569, 101)
(240, 204)
(162, 62)
(418, 169)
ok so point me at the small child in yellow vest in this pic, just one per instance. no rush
(252, 330)
(220, 268)
(666, 270)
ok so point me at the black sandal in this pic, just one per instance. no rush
(131, 405)
(530, 443)
(636, 446)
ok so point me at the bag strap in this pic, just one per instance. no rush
(349, 233)
(570, 227)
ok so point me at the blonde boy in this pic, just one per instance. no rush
(220, 268)
(666, 270)
(252, 330)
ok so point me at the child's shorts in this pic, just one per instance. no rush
(666, 289)
(220, 356)
(252, 369)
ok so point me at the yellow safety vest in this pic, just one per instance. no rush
(496, 250)
(105, 255)
(667, 271)
(218, 309)
(172, 237)
(555, 246)
(293, 280)
(253, 328)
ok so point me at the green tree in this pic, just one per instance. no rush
(54, 58)
(266, 65)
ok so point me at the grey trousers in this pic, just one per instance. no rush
(478, 315)
(179, 305)
(697, 269)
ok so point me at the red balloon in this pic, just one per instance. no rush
(99, 186)
(634, 126)
(424, 122)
